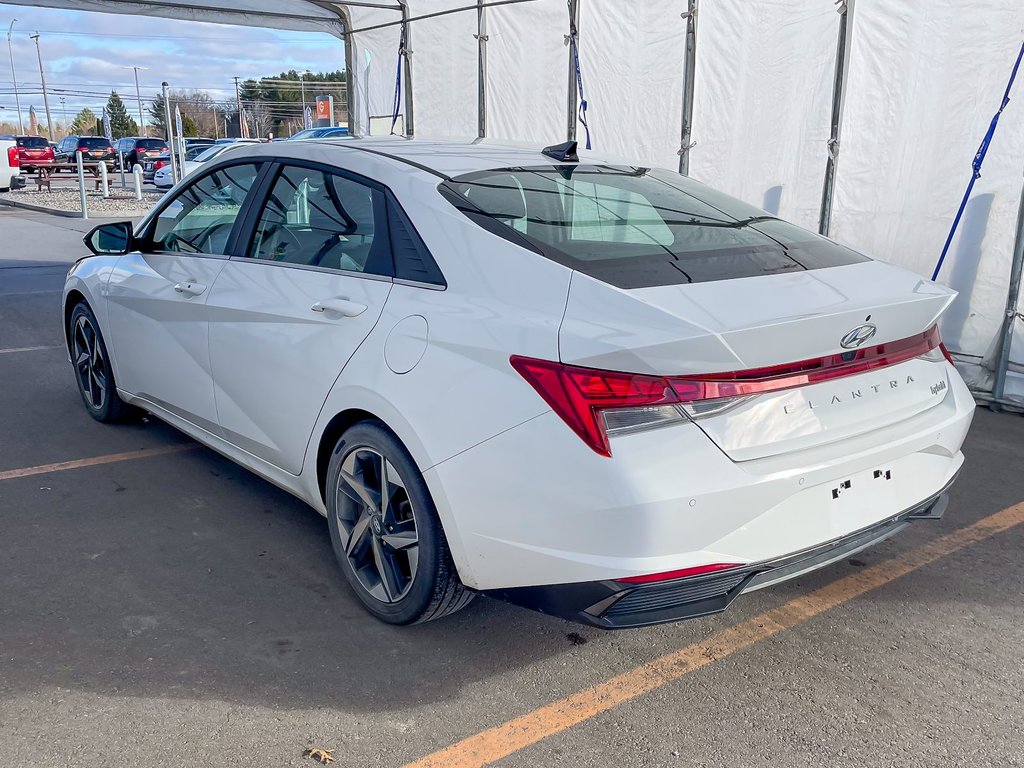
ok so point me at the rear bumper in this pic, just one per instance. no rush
(618, 605)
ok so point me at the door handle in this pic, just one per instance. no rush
(190, 288)
(341, 306)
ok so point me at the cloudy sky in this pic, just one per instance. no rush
(87, 54)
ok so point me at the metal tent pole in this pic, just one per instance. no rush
(844, 10)
(481, 69)
(407, 69)
(689, 80)
(1012, 311)
(571, 105)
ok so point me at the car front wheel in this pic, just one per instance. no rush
(385, 530)
(93, 373)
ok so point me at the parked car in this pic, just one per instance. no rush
(608, 392)
(319, 133)
(162, 163)
(136, 149)
(34, 151)
(94, 149)
(10, 164)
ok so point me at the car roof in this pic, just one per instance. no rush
(442, 158)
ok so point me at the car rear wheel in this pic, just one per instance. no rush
(93, 372)
(385, 530)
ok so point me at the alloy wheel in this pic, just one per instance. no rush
(89, 363)
(377, 524)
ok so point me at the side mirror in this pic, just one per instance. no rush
(115, 239)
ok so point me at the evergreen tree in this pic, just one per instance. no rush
(121, 124)
(84, 123)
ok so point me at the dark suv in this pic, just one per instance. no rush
(136, 149)
(94, 149)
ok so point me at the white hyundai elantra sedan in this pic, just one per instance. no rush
(603, 391)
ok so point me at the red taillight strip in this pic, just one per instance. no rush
(777, 377)
(579, 395)
(682, 573)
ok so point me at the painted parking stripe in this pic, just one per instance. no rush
(496, 743)
(26, 349)
(110, 458)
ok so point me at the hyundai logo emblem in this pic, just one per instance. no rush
(858, 336)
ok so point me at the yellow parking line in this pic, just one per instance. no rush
(110, 458)
(495, 743)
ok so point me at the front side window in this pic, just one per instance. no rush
(638, 227)
(200, 219)
(319, 219)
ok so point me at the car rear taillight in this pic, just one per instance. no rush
(596, 404)
(159, 164)
(49, 154)
(682, 573)
(13, 157)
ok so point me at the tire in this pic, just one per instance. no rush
(397, 581)
(93, 372)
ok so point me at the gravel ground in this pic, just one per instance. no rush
(121, 202)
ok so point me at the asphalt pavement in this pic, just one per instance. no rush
(168, 608)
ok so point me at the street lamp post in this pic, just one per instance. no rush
(42, 80)
(14, 77)
(138, 95)
(63, 113)
(302, 86)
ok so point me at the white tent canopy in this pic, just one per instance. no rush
(919, 82)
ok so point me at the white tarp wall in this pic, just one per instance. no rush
(765, 72)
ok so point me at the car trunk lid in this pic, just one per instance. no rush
(750, 329)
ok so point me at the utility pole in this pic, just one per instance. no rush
(238, 106)
(138, 95)
(302, 86)
(14, 77)
(171, 138)
(42, 80)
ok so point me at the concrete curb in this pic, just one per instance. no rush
(41, 209)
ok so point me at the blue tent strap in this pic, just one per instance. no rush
(976, 164)
(396, 107)
(582, 113)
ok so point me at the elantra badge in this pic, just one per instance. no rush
(857, 336)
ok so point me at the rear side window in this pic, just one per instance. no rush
(319, 219)
(637, 227)
(32, 142)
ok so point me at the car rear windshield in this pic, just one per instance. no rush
(32, 142)
(93, 142)
(638, 227)
(151, 143)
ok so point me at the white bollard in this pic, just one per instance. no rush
(81, 186)
(137, 175)
(104, 181)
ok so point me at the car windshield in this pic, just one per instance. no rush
(32, 142)
(208, 153)
(638, 227)
(194, 152)
(93, 142)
